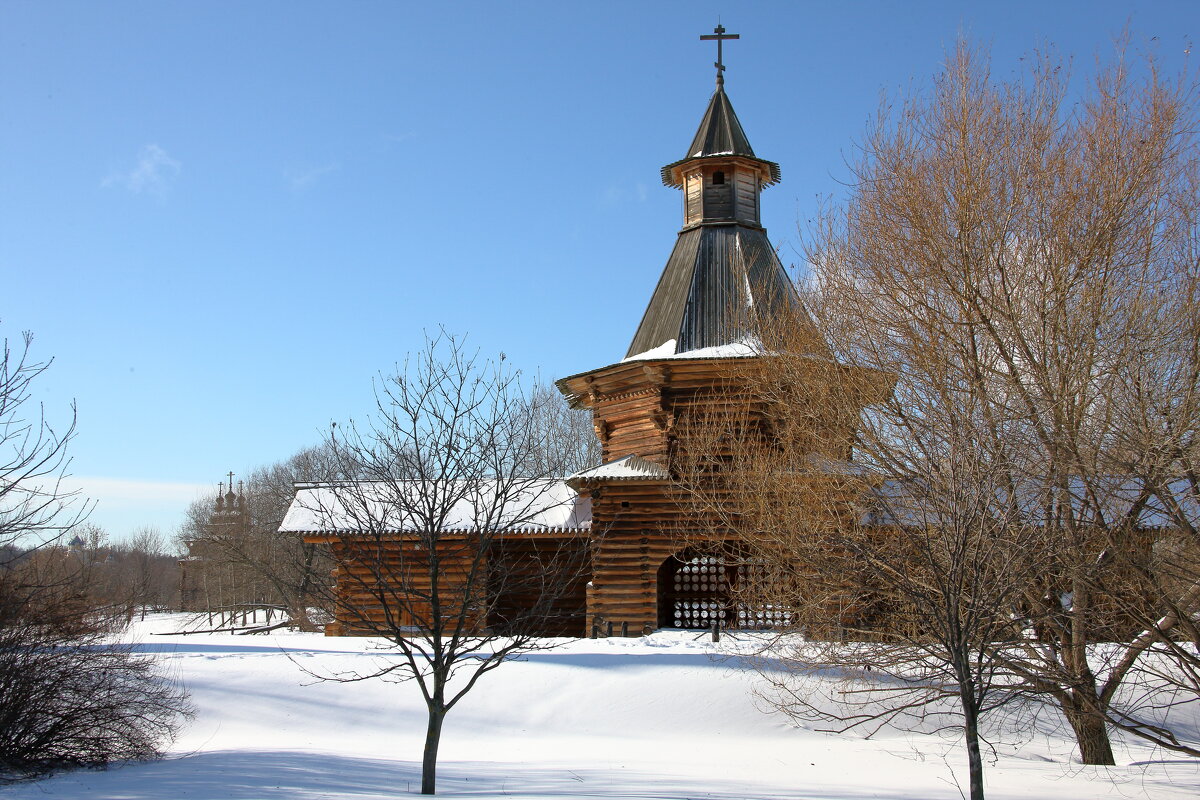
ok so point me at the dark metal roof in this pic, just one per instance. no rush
(720, 131)
(720, 134)
(718, 278)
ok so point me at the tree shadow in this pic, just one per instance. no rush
(184, 648)
(289, 775)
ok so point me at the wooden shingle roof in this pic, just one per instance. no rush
(717, 280)
(720, 134)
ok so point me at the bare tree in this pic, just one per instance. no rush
(121, 578)
(1014, 258)
(35, 507)
(68, 695)
(149, 569)
(569, 442)
(1155, 405)
(450, 539)
(1014, 519)
(892, 583)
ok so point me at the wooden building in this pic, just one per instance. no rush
(693, 342)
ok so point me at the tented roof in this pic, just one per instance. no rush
(720, 131)
(716, 281)
(720, 134)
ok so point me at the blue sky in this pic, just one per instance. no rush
(223, 219)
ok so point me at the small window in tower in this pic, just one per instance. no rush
(718, 178)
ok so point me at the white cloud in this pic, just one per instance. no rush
(152, 173)
(303, 178)
(122, 505)
(399, 138)
(133, 493)
(623, 193)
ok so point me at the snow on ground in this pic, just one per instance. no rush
(662, 717)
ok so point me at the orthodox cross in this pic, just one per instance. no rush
(720, 35)
(231, 481)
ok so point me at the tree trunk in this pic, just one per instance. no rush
(433, 737)
(301, 601)
(974, 760)
(1091, 733)
(298, 608)
(970, 712)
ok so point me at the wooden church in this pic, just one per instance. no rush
(692, 343)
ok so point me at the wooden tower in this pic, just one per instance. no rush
(694, 339)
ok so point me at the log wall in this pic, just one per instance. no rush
(638, 524)
(747, 189)
(639, 408)
(523, 584)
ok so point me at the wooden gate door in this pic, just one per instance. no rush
(694, 592)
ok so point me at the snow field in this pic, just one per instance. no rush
(663, 717)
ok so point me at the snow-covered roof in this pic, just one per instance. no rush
(629, 468)
(453, 506)
(1102, 502)
(747, 347)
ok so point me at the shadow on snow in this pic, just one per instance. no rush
(276, 775)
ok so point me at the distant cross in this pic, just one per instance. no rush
(231, 481)
(720, 35)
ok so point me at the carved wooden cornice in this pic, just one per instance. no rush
(626, 395)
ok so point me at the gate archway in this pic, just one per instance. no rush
(694, 592)
(696, 589)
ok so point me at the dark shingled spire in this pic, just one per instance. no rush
(720, 135)
(718, 280)
(723, 272)
(723, 276)
(720, 131)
